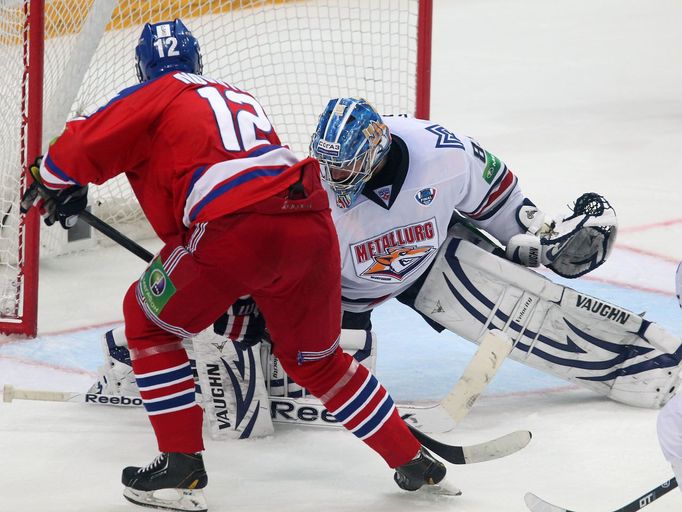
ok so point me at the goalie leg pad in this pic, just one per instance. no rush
(556, 329)
(115, 376)
(230, 375)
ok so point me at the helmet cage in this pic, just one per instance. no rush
(357, 171)
(349, 125)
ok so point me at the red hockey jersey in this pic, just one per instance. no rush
(193, 149)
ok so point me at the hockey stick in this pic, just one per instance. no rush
(539, 505)
(10, 393)
(104, 228)
(493, 449)
(116, 235)
(482, 452)
(494, 348)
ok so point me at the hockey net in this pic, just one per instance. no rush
(292, 55)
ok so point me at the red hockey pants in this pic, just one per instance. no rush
(289, 263)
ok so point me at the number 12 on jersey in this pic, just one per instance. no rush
(238, 125)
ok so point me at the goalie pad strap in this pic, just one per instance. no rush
(139, 353)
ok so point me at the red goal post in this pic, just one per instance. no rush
(63, 58)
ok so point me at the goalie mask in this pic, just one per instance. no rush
(164, 47)
(350, 141)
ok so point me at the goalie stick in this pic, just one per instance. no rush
(494, 348)
(537, 504)
(10, 393)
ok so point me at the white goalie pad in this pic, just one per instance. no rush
(228, 377)
(556, 329)
(115, 377)
(232, 387)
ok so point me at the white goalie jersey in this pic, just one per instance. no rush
(435, 172)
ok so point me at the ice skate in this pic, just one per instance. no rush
(173, 481)
(422, 471)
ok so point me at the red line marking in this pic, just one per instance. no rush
(644, 252)
(39, 364)
(647, 227)
(10, 340)
(632, 286)
(84, 328)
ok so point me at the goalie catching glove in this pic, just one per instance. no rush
(64, 205)
(572, 244)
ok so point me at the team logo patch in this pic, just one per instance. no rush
(157, 282)
(394, 255)
(397, 262)
(384, 193)
(156, 286)
(425, 196)
(492, 167)
(163, 31)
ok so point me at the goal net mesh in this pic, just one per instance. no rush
(292, 55)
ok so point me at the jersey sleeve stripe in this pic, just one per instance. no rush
(315, 356)
(53, 176)
(495, 197)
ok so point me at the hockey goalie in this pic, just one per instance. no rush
(469, 289)
(393, 185)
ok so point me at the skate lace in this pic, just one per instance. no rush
(159, 458)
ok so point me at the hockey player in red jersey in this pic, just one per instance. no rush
(239, 214)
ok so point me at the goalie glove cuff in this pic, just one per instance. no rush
(525, 249)
(533, 220)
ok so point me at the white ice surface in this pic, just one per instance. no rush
(574, 96)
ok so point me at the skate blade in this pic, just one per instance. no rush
(443, 488)
(168, 499)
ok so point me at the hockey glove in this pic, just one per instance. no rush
(63, 206)
(242, 322)
(571, 244)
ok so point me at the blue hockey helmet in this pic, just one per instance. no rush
(349, 142)
(164, 47)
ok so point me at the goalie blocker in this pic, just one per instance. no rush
(556, 329)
